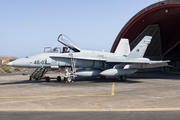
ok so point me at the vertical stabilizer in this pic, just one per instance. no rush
(123, 47)
(140, 49)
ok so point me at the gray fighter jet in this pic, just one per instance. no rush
(91, 63)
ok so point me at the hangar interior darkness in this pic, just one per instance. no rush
(161, 21)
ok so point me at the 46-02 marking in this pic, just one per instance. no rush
(40, 62)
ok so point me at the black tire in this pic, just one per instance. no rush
(103, 77)
(47, 79)
(123, 78)
(58, 78)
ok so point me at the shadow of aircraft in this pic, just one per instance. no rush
(131, 79)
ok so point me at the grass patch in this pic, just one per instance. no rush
(8, 69)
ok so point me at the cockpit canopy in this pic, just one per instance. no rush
(68, 43)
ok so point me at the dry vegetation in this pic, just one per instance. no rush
(8, 69)
(8, 58)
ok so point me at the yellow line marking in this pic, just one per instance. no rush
(113, 86)
(103, 109)
(147, 109)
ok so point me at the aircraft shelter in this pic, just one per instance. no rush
(161, 21)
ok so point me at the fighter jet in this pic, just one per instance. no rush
(91, 63)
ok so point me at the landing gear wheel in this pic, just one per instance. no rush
(69, 80)
(123, 78)
(58, 78)
(103, 77)
(47, 79)
(65, 79)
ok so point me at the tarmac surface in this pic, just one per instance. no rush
(143, 95)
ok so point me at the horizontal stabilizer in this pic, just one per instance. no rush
(130, 60)
(144, 65)
(159, 63)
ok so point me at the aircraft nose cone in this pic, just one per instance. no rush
(23, 62)
(9, 64)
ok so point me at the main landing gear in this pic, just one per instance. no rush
(123, 78)
(103, 77)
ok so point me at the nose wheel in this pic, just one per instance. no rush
(68, 79)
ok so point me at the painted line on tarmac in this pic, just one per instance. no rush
(15, 97)
(113, 86)
(94, 110)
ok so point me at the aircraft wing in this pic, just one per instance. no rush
(68, 43)
(158, 62)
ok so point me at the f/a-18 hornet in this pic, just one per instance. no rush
(91, 63)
